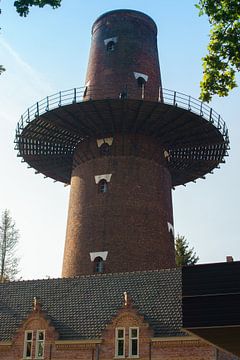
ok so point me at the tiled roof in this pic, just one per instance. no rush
(80, 308)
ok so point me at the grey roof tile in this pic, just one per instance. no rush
(81, 307)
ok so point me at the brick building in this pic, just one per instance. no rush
(104, 316)
(122, 142)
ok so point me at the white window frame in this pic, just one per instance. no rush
(26, 341)
(131, 338)
(38, 341)
(117, 339)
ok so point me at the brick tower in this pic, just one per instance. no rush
(122, 142)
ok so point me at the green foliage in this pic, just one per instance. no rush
(22, 6)
(223, 59)
(184, 254)
(2, 69)
(9, 236)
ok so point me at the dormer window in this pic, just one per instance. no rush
(111, 46)
(40, 338)
(28, 344)
(99, 265)
(102, 186)
(120, 343)
(133, 342)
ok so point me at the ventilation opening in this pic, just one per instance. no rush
(102, 186)
(104, 149)
(98, 265)
(111, 46)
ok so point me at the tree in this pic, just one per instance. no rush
(1, 69)
(22, 6)
(9, 236)
(184, 254)
(223, 58)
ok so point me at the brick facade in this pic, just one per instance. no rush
(135, 51)
(150, 348)
(131, 221)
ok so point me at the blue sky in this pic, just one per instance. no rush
(47, 52)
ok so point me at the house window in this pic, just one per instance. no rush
(99, 265)
(133, 342)
(111, 46)
(120, 342)
(28, 342)
(40, 338)
(102, 186)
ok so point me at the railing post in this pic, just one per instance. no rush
(74, 95)
(201, 112)
(189, 103)
(210, 115)
(174, 98)
(219, 125)
(28, 120)
(37, 112)
(60, 98)
(47, 107)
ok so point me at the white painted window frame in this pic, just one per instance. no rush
(26, 341)
(38, 341)
(117, 339)
(131, 338)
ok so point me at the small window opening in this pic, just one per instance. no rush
(99, 265)
(141, 82)
(111, 46)
(103, 186)
(104, 149)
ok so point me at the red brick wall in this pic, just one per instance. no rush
(173, 349)
(130, 221)
(135, 51)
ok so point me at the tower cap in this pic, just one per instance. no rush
(126, 12)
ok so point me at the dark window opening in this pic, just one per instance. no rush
(111, 46)
(104, 149)
(141, 82)
(98, 265)
(103, 186)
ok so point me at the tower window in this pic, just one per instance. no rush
(104, 149)
(111, 46)
(102, 186)
(98, 265)
(141, 82)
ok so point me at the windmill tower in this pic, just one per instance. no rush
(122, 142)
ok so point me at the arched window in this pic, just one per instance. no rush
(111, 46)
(104, 149)
(141, 82)
(102, 186)
(98, 265)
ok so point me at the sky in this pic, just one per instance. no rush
(48, 52)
